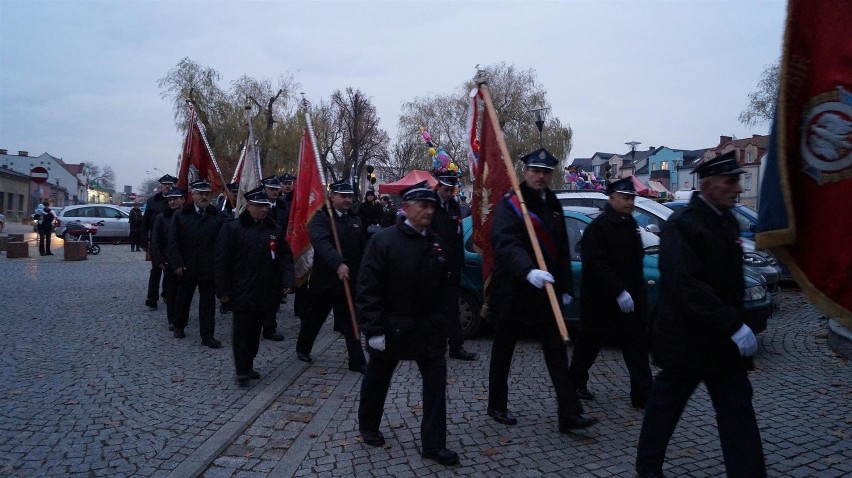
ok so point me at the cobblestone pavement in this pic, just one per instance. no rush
(94, 385)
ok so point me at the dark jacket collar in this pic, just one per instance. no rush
(246, 220)
(210, 210)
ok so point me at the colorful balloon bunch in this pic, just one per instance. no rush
(440, 159)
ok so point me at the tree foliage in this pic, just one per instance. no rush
(95, 175)
(761, 102)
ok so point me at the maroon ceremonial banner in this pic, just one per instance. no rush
(805, 215)
(197, 162)
(308, 198)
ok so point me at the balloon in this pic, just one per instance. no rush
(432, 151)
(453, 167)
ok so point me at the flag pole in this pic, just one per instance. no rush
(332, 220)
(203, 131)
(510, 170)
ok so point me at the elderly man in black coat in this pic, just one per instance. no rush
(517, 298)
(253, 270)
(331, 269)
(155, 205)
(403, 284)
(699, 332)
(614, 303)
(192, 237)
(160, 251)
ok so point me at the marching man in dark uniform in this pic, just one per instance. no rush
(447, 224)
(278, 212)
(285, 199)
(192, 237)
(160, 251)
(403, 283)
(331, 269)
(699, 333)
(254, 269)
(614, 300)
(155, 205)
(517, 298)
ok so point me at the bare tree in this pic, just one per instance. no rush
(149, 187)
(405, 154)
(761, 102)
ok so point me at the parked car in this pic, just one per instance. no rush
(112, 222)
(758, 301)
(2, 222)
(746, 217)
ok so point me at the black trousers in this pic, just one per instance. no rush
(312, 322)
(154, 283)
(634, 349)
(731, 396)
(170, 288)
(555, 357)
(246, 338)
(44, 242)
(301, 300)
(374, 391)
(206, 305)
(135, 240)
(270, 322)
(454, 332)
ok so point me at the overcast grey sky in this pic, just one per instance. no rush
(78, 78)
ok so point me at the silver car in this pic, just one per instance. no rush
(112, 222)
(2, 222)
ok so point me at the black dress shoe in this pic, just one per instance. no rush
(576, 422)
(651, 474)
(584, 393)
(639, 404)
(462, 354)
(359, 368)
(373, 438)
(212, 343)
(151, 303)
(243, 379)
(504, 417)
(49, 254)
(254, 374)
(442, 456)
(171, 327)
(179, 334)
(274, 336)
(304, 357)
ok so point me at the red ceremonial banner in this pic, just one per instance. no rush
(197, 161)
(307, 200)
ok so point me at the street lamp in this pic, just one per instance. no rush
(539, 123)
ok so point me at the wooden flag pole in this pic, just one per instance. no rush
(510, 170)
(333, 221)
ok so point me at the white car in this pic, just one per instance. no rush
(112, 222)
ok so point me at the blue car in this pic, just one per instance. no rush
(758, 301)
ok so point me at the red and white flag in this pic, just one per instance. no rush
(490, 182)
(197, 161)
(307, 200)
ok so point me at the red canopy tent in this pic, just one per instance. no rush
(643, 190)
(410, 179)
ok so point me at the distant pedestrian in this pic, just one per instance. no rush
(699, 333)
(192, 237)
(135, 227)
(45, 219)
(517, 299)
(331, 269)
(160, 251)
(155, 205)
(254, 269)
(464, 207)
(370, 212)
(614, 305)
(388, 212)
(402, 278)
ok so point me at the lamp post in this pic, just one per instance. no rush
(539, 123)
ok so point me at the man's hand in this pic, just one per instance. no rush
(377, 342)
(745, 340)
(343, 272)
(538, 277)
(285, 291)
(625, 302)
(566, 299)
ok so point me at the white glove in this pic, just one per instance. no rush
(745, 340)
(625, 302)
(538, 277)
(566, 299)
(377, 342)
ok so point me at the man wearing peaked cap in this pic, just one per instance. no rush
(403, 281)
(517, 296)
(154, 206)
(160, 251)
(447, 224)
(699, 331)
(278, 212)
(285, 199)
(333, 268)
(192, 236)
(613, 309)
(253, 270)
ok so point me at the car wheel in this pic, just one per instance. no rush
(469, 317)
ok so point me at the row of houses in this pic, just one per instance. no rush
(65, 185)
(670, 169)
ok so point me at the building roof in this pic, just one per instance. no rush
(582, 163)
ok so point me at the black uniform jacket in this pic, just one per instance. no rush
(447, 224)
(155, 205)
(281, 212)
(370, 213)
(324, 278)
(135, 220)
(510, 296)
(401, 291)
(247, 271)
(160, 239)
(191, 240)
(702, 287)
(612, 253)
